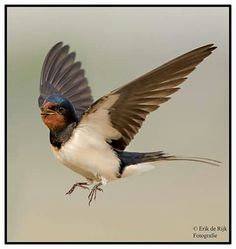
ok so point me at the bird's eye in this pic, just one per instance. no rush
(61, 109)
(52, 108)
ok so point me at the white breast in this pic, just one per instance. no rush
(88, 154)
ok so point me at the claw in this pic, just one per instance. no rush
(78, 184)
(93, 193)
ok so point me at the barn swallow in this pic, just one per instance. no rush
(90, 137)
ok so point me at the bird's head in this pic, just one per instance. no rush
(57, 112)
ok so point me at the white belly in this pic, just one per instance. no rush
(88, 154)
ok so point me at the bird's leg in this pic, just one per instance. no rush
(78, 184)
(93, 193)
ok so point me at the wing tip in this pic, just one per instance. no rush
(212, 47)
(57, 45)
(60, 45)
(209, 47)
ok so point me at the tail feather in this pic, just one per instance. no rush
(129, 158)
(194, 159)
(161, 156)
(132, 162)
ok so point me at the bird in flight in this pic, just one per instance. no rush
(90, 137)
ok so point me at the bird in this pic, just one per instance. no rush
(90, 137)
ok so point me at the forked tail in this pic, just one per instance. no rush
(135, 163)
(161, 156)
(194, 159)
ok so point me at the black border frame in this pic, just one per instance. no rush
(121, 5)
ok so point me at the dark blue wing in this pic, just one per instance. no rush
(61, 75)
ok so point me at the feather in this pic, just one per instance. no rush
(140, 97)
(62, 76)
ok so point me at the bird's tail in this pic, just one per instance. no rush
(136, 163)
(161, 156)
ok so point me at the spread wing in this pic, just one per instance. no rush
(61, 75)
(120, 114)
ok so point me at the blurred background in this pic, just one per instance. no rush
(117, 45)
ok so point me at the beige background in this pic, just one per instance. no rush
(117, 45)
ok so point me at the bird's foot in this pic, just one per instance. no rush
(78, 184)
(93, 193)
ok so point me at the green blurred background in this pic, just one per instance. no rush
(115, 46)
